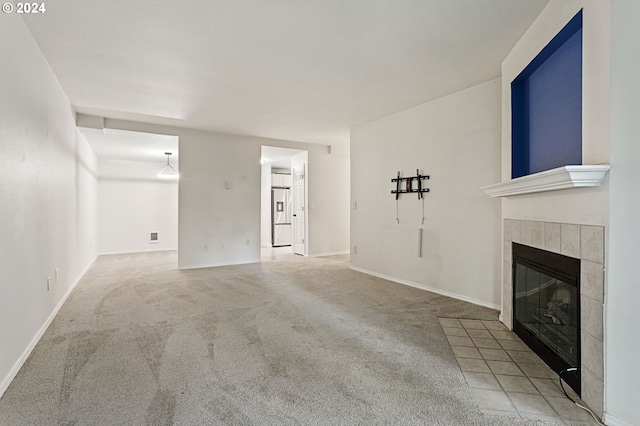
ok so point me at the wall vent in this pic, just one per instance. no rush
(153, 238)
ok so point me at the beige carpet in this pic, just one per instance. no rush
(290, 341)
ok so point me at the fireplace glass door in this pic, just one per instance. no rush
(546, 307)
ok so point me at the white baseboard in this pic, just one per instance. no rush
(23, 358)
(610, 420)
(427, 288)
(110, 253)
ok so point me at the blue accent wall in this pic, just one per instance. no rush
(546, 102)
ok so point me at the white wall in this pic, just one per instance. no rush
(265, 205)
(225, 220)
(299, 233)
(455, 140)
(47, 197)
(623, 295)
(132, 203)
(328, 201)
(211, 215)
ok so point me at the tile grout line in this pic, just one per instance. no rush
(538, 393)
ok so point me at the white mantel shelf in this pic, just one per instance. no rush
(551, 180)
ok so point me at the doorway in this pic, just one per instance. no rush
(137, 206)
(284, 221)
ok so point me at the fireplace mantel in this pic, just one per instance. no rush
(551, 180)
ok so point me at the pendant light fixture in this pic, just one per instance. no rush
(168, 171)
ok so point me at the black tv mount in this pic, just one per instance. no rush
(408, 186)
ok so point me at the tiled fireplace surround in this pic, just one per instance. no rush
(585, 242)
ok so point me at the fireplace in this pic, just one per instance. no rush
(546, 307)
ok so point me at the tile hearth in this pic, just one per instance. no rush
(507, 378)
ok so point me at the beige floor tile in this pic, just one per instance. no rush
(505, 335)
(492, 400)
(453, 331)
(486, 343)
(495, 326)
(479, 333)
(525, 357)
(473, 365)
(481, 380)
(540, 371)
(547, 387)
(531, 404)
(494, 354)
(459, 341)
(568, 410)
(572, 394)
(507, 368)
(466, 352)
(542, 417)
(449, 322)
(472, 324)
(514, 345)
(518, 384)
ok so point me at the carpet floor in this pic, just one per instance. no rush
(289, 341)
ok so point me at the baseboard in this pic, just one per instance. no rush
(110, 253)
(427, 288)
(333, 253)
(23, 358)
(614, 421)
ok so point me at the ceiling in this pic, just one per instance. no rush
(285, 69)
(133, 146)
(279, 158)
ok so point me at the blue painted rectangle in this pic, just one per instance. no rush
(546, 102)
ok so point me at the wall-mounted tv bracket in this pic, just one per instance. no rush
(408, 185)
(408, 188)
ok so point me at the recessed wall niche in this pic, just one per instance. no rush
(546, 106)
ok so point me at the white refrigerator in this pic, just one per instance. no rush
(280, 217)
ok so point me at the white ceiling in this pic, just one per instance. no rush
(133, 146)
(278, 157)
(288, 69)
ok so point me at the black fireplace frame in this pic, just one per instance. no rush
(561, 267)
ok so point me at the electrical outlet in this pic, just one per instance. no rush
(56, 275)
(354, 249)
(355, 205)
